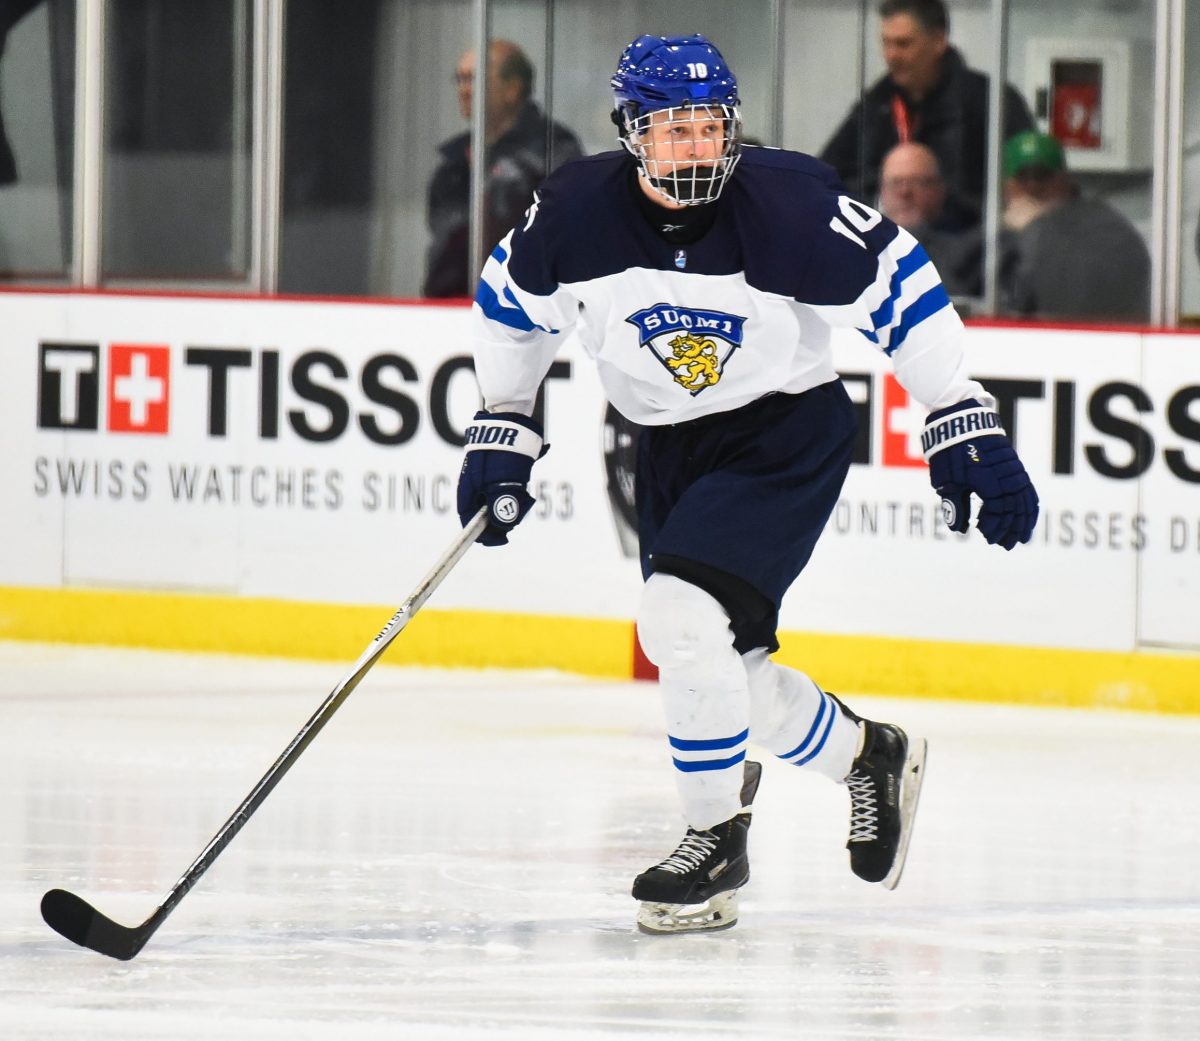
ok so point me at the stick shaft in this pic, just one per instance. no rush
(324, 713)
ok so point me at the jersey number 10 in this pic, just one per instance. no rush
(861, 218)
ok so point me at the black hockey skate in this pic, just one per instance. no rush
(696, 887)
(885, 784)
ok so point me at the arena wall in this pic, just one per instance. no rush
(274, 476)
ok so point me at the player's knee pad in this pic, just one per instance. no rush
(680, 626)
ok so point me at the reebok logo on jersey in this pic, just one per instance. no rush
(693, 345)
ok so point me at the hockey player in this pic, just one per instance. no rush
(704, 281)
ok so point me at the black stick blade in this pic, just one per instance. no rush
(81, 923)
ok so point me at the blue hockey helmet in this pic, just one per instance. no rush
(685, 77)
(657, 72)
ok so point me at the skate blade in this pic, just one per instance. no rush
(720, 912)
(910, 793)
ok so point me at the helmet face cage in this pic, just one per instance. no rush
(677, 110)
(686, 153)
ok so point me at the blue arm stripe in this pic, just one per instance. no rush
(709, 764)
(930, 302)
(914, 260)
(514, 317)
(708, 745)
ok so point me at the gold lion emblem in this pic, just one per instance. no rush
(694, 361)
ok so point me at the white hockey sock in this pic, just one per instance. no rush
(705, 695)
(797, 721)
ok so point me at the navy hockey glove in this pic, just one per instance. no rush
(968, 451)
(501, 449)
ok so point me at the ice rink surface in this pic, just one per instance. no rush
(452, 857)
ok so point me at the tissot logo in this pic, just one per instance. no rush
(901, 420)
(137, 391)
(68, 386)
(139, 382)
(315, 395)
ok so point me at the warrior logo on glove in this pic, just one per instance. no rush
(969, 452)
(501, 449)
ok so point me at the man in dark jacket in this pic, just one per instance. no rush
(516, 133)
(928, 96)
(11, 12)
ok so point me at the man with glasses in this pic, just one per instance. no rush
(516, 134)
(913, 193)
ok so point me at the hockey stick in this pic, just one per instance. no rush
(81, 923)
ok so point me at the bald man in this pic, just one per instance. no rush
(913, 193)
(515, 130)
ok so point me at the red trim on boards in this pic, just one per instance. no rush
(225, 294)
(1077, 327)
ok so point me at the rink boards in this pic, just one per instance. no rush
(272, 476)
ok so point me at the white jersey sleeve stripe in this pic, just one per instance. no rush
(905, 277)
(496, 299)
(914, 260)
(928, 303)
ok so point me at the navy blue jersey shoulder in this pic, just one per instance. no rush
(792, 216)
(773, 225)
(799, 162)
(578, 228)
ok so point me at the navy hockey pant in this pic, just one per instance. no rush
(735, 502)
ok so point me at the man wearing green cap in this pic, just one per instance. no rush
(1067, 256)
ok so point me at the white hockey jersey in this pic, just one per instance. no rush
(682, 331)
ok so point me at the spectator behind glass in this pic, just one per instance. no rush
(11, 12)
(913, 194)
(515, 129)
(929, 96)
(1066, 256)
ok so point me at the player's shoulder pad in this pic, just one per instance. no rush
(784, 161)
(567, 207)
(812, 248)
(575, 181)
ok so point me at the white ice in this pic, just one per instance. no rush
(451, 859)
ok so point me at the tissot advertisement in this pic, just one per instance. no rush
(310, 451)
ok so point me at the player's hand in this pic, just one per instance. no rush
(501, 448)
(968, 451)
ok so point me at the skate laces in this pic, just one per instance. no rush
(864, 813)
(692, 852)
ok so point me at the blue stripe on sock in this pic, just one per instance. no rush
(709, 764)
(708, 745)
(820, 744)
(812, 730)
